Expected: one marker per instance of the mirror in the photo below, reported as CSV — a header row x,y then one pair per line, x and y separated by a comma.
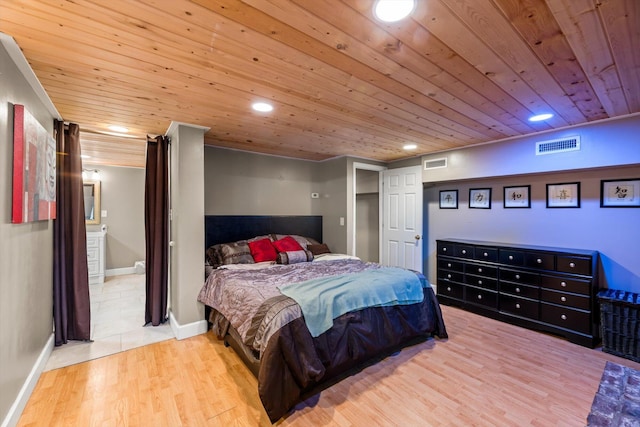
x,y
92,202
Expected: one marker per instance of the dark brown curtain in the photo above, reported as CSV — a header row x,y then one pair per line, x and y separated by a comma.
x,y
71,306
156,209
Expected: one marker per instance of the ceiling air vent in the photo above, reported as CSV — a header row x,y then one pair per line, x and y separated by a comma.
x,y
558,145
435,163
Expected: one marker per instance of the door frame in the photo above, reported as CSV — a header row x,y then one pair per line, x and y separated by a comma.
x,y
369,167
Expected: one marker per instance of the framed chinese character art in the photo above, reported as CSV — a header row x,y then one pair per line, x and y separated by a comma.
x,y
449,199
517,196
566,195
623,193
480,198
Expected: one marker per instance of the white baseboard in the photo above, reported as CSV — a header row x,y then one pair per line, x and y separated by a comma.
x,y
119,271
189,330
13,416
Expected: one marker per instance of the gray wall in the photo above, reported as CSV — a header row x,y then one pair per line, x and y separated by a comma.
x,y
122,196
605,143
187,224
26,253
614,232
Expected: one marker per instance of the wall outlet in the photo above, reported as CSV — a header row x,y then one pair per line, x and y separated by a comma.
x,y
103,213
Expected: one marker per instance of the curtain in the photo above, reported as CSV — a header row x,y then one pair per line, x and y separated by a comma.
x,y
156,208
71,305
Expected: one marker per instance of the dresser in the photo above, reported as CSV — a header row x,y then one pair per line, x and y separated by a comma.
x,y
544,288
95,256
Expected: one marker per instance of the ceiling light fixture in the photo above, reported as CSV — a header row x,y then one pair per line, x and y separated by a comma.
x,y
393,10
540,117
410,147
120,129
263,107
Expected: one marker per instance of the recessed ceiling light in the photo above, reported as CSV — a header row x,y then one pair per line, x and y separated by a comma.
x,y
393,10
410,147
120,129
263,107
540,117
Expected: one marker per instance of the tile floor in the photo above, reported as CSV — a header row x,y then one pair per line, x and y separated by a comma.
x,y
117,316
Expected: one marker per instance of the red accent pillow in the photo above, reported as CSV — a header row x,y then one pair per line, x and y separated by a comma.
x,y
262,250
287,244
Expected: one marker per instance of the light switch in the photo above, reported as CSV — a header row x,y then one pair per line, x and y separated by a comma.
x,y
341,220
103,213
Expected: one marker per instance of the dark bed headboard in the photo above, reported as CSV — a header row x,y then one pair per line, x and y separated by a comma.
x,y
229,228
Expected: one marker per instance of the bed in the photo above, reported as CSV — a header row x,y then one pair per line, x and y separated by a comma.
x,y
294,341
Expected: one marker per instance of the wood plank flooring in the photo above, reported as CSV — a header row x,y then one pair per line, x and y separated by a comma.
x,y
487,373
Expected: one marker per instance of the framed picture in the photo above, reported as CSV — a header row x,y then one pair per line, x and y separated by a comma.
x,y
620,193
565,195
480,198
34,169
517,196
449,199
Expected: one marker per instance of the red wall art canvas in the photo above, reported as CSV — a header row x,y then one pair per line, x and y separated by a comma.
x,y
34,169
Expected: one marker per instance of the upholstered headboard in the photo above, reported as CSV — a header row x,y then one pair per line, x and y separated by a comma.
x,y
229,228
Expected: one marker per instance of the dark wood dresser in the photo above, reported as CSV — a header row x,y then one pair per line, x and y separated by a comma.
x,y
544,288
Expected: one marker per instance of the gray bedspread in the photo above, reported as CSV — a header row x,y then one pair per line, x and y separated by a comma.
x,y
252,303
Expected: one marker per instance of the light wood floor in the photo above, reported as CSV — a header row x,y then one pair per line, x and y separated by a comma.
x,y
487,373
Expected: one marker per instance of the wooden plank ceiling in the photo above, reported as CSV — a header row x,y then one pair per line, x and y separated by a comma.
x,y
456,73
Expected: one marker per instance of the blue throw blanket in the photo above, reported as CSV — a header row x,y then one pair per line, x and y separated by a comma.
x,y
326,298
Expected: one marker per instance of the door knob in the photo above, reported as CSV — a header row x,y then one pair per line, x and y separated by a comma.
x,y
417,237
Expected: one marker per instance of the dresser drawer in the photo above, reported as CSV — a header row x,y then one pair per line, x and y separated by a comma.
x,y
446,264
568,300
463,251
481,282
93,254
481,297
446,248
539,260
485,254
452,290
519,306
563,284
518,276
575,265
450,276
92,242
567,318
511,257
93,267
521,290
481,270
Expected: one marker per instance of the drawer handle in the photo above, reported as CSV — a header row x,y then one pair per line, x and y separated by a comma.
x,y
563,299
563,284
572,264
518,276
444,249
518,290
563,317
479,296
539,261
449,265
479,282
448,276
464,251
485,254
517,305
449,288
479,270
510,257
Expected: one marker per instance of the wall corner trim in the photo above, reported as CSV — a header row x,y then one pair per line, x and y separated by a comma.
x,y
13,416
189,330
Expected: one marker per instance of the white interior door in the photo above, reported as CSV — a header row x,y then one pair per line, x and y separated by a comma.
x,y
402,218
